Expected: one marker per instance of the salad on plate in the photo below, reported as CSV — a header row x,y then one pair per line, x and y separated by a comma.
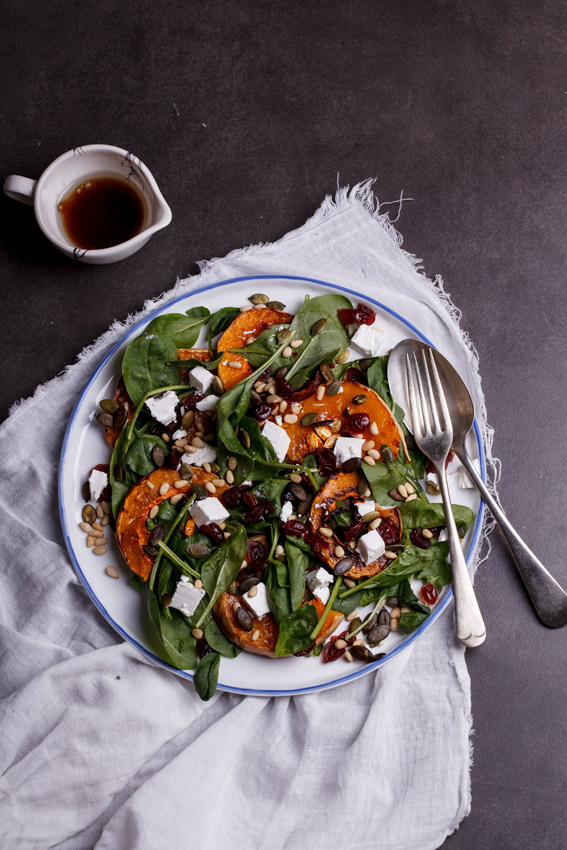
x,y
264,490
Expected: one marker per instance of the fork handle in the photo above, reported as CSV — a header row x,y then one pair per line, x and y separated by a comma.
x,y
471,630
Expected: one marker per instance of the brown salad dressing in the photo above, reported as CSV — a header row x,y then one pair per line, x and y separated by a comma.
x,y
101,212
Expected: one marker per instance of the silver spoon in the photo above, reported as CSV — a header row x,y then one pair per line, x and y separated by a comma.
x,y
548,597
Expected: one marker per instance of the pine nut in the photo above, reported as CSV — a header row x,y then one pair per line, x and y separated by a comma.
x,y
165,437
235,364
197,442
246,307
99,550
218,482
153,511
295,407
175,499
375,523
197,633
96,533
320,392
222,526
210,487
280,551
369,460
339,551
425,532
358,642
198,584
180,444
190,450
273,399
296,343
283,406
99,511
179,484
164,488
226,535
394,624
390,555
151,485
412,497
369,444
97,526
255,635
405,610
91,542
295,478
259,386
402,491
106,507
349,582
395,614
287,352
352,544
229,477
290,418
352,616
374,428
253,591
342,358
348,656
340,643
101,541
111,571
259,306
207,466
235,606
250,340
374,453
409,487
86,527
325,532
232,463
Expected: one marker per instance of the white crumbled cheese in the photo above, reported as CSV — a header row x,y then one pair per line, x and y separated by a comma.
x,y
431,478
207,403
162,407
207,454
443,537
208,510
186,597
347,447
365,507
179,434
464,481
318,579
277,437
201,379
370,547
286,511
278,419
258,603
322,593
97,482
368,340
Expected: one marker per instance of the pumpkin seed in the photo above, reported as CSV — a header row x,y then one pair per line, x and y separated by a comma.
x,y
104,419
378,634
370,625
318,326
303,507
359,399
152,551
166,600
86,491
188,420
383,617
259,298
185,471
217,385
361,653
395,495
282,371
353,464
157,534
158,455
109,405
362,488
354,625
276,305
119,418
298,491
244,619
333,388
393,601
246,584
351,329
342,358
245,438
343,566
370,516
199,491
327,372
308,419
364,364
89,514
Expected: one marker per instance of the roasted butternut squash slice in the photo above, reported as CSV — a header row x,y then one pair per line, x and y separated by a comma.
x,y
332,409
339,487
245,326
266,626
131,532
201,354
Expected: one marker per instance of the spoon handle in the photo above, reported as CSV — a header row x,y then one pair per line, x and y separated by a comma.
x,y
471,630
548,597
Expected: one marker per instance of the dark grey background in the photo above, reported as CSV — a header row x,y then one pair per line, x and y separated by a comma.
x,y
246,112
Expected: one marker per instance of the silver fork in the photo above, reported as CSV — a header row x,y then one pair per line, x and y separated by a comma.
x,y
433,433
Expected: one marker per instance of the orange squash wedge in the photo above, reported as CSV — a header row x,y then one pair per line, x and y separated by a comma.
x,y
332,408
201,354
266,627
343,485
131,532
245,326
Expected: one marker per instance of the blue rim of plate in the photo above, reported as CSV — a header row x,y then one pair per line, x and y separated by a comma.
x,y
184,673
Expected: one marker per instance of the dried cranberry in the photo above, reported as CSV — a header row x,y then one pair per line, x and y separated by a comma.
x,y
261,411
429,468
190,401
436,530
356,423
249,499
265,374
203,647
354,531
388,531
231,498
429,593
361,315
417,538
283,387
316,542
258,513
214,531
305,651
174,458
326,462
330,652
354,374
294,528
256,554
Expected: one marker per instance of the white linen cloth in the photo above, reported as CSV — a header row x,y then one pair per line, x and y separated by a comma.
x,y
99,748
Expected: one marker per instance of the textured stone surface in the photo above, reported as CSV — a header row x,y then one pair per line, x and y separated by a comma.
x,y
246,113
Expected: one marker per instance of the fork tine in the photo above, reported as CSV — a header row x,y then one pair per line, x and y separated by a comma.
x,y
416,410
440,393
431,394
424,400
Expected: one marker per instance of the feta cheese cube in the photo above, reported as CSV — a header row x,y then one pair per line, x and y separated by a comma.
x,y
365,507
277,437
431,478
208,510
286,511
443,536
179,434
368,340
464,481
97,482
208,403
201,379
370,547
207,454
322,593
162,407
347,447
186,597
258,603
317,579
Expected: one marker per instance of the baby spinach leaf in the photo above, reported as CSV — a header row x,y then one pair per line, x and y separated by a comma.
x,y
207,675
217,639
263,347
181,328
295,630
173,633
321,347
220,570
377,378
297,563
418,514
139,455
410,621
145,365
277,587
220,321
384,477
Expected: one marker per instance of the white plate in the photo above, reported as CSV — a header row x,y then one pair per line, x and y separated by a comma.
x,y
84,446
